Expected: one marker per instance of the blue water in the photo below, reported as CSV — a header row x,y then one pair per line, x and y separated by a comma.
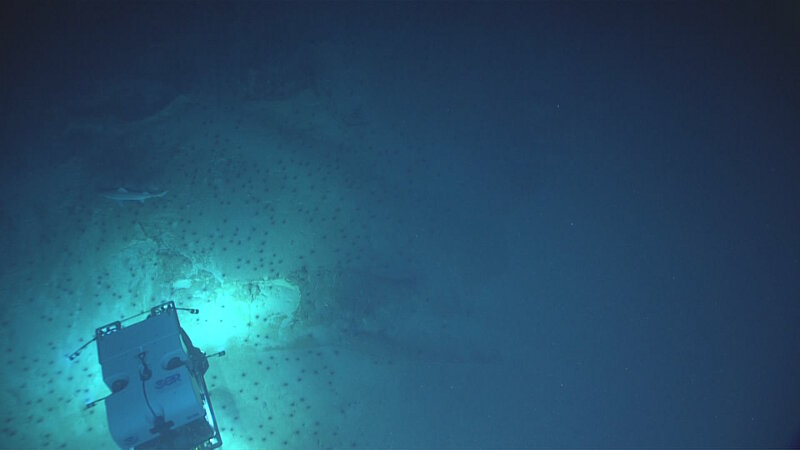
x,y
510,225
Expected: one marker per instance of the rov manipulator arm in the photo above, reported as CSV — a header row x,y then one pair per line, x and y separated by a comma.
x,y
72,356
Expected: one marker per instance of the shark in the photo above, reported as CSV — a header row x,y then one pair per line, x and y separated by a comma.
x,y
123,195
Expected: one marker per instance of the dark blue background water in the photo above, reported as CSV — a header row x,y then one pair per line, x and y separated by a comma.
x,y
614,184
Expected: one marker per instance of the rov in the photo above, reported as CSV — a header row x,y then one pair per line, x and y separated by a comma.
x,y
159,398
